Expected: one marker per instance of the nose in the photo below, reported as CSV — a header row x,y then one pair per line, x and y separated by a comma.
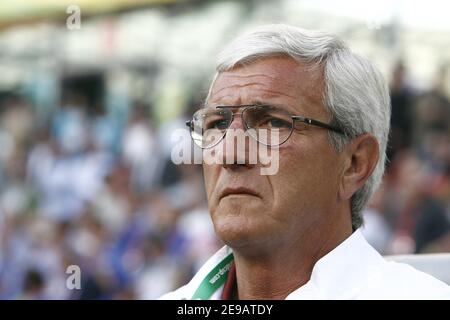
x,y
236,149
238,122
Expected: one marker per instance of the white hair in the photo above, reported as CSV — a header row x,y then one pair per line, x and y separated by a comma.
x,y
356,94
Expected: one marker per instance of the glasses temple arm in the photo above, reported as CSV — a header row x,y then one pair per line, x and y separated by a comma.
x,y
317,124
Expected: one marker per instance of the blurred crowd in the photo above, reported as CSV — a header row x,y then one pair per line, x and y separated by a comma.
x,y
410,213
87,190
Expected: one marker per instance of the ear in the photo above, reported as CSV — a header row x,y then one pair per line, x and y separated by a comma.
x,y
362,154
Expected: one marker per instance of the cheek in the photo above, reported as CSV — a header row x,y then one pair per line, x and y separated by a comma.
x,y
208,175
306,176
211,175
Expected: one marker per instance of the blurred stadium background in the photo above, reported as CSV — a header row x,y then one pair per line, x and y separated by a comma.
x,y
86,116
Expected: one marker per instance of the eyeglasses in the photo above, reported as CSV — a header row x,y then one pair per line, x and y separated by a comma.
x,y
269,125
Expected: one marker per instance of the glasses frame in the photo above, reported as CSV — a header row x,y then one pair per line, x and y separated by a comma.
x,y
308,121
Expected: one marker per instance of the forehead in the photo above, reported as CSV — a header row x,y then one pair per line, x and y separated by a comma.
x,y
276,78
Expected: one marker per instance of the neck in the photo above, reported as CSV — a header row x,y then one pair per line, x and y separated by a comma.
x,y
277,271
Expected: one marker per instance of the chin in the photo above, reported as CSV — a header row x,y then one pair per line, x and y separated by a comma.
x,y
237,230
240,221
233,236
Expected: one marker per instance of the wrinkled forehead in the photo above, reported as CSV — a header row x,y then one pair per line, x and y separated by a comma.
x,y
269,78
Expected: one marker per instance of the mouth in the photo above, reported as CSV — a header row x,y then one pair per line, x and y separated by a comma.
x,y
240,191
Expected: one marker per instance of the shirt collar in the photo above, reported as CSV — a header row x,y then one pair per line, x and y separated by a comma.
x,y
200,276
339,274
342,272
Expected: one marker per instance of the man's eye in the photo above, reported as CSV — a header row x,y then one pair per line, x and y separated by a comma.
x,y
218,124
222,124
276,123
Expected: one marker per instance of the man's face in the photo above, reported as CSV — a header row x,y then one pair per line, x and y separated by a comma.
x,y
301,196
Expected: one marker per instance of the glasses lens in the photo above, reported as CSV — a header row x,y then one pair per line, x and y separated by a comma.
x,y
209,126
268,125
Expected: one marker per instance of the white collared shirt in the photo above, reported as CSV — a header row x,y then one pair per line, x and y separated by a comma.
x,y
352,270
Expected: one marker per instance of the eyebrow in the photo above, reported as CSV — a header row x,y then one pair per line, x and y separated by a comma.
x,y
259,102
256,102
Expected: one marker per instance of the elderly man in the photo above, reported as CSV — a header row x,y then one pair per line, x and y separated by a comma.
x,y
294,234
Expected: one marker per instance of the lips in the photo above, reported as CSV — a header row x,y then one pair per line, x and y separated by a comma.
x,y
238,191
